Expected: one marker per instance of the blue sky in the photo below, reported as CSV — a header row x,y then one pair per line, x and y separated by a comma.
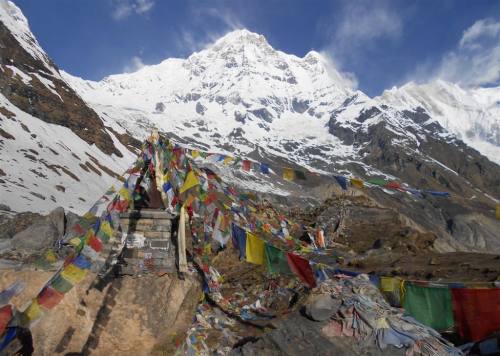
x,y
381,43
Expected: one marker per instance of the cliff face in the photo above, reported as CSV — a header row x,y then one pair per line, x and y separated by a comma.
x,y
132,316
41,92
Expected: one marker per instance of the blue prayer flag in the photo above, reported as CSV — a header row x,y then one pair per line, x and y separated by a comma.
x,y
264,168
342,181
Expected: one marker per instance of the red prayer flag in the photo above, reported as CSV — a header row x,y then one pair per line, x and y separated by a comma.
x,y
246,165
210,198
301,267
95,243
393,185
78,229
476,312
49,298
5,316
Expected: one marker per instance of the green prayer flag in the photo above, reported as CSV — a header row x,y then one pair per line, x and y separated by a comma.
x,y
61,285
276,260
377,181
432,306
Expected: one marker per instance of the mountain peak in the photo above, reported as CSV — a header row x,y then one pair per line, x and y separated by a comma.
x,y
17,24
242,36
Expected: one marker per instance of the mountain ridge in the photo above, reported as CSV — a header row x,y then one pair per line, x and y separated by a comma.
x,y
240,97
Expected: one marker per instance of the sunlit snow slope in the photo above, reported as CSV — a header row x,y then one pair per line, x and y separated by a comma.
x,y
55,151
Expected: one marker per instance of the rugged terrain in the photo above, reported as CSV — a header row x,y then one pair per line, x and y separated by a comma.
x,y
64,140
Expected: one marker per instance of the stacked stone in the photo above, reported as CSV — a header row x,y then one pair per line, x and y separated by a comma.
x,y
148,246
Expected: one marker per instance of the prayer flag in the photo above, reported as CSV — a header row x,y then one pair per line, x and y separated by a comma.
x,y
438,194
276,261
288,174
342,181
246,165
476,311
498,211
73,274
31,313
320,238
95,243
49,297
393,185
377,181
301,267
300,175
254,249
239,239
190,182
81,262
264,168
5,316
124,194
228,160
358,183
429,305
106,231
391,288
195,154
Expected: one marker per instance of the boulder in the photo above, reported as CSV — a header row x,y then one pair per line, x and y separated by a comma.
x,y
322,307
36,237
57,218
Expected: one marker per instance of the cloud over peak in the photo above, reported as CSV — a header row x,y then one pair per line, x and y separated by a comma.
x,y
124,8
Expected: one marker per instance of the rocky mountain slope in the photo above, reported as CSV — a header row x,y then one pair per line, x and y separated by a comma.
x,y
55,149
65,139
241,95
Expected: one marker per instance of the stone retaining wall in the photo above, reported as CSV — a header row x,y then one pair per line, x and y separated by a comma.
x,y
149,246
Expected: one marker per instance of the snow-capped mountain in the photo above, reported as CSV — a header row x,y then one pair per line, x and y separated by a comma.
x,y
472,115
237,94
55,151
242,96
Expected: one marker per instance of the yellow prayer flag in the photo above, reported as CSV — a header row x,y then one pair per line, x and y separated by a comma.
x,y
73,274
75,241
190,182
498,211
390,284
255,249
195,154
124,194
288,174
358,183
33,311
228,160
106,228
88,216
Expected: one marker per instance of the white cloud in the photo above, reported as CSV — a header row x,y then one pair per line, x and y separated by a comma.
x,y
481,28
476,60
124,8
134,65
364,21
197,38
346,78
355,29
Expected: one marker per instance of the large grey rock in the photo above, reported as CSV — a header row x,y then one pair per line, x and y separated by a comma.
x,y
322,307
36,237
57,218
71,219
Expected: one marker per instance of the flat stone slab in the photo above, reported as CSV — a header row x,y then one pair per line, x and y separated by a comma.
x,y
147,214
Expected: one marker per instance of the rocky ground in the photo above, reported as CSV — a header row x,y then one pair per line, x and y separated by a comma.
x,y
159,314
